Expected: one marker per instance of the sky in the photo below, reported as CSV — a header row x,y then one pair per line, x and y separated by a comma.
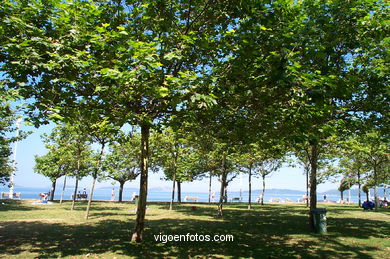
x,y
286,178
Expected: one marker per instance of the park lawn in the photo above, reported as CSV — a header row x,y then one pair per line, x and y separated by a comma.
x,y
269,231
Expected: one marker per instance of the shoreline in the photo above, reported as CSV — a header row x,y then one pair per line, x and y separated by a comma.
x,y
187,202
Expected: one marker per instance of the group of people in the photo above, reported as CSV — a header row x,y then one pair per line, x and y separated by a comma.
x,y
44,196
370,205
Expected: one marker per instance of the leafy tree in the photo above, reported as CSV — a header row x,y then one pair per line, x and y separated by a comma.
x,y
374,149
325,104
266,167
74,143
345,184
100,132
7,119
352,164
83,54
261,161
176,157
221,160
122,162
51,165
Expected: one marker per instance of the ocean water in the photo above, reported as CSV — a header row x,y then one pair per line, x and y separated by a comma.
x,y
105,194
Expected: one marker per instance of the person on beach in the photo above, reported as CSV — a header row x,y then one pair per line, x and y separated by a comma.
x,y
213,196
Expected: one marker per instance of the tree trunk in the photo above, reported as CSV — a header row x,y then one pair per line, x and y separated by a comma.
x,y
90,198
307,186
359,190
94,180
121,184
179,191
349,195
173,191
223,184
367,196
250,188
376,197
262,193
375,189
225,197
384,192
75,193
140,219
342,195
222,194
313,182
210,188
53,189
63,190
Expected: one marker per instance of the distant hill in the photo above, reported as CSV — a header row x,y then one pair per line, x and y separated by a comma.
x,y
355,191
279,191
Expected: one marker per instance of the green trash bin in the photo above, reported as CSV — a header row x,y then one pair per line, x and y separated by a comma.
x,y
319,220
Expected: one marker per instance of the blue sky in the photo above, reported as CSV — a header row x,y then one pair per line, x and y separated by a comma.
x,y
285,178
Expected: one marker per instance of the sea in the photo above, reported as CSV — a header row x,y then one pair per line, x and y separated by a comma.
x,y
104,194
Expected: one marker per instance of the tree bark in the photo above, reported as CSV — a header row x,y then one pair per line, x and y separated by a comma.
x,y
75,193
307,186
90,198
222,191
250,188
53,189
210,188
313,181
173,191
359,190
63,190
121,184
342,195
262,193
375,188
178,191
140,219
94,180
225,197
367,196
222,194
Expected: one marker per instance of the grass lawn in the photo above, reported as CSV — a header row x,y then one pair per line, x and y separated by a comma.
x,y
269,231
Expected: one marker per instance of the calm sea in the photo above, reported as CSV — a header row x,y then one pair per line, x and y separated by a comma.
x,y
105,194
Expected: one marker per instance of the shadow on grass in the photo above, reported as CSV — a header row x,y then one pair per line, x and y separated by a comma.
x,y
18,205
265,232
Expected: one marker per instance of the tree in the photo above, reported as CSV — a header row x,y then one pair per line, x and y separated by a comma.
x,y
222,161
111,55
51,165
7,119
352,164
374,149
101,132
326,104
345,184
122,162
266,167
70,140
175,155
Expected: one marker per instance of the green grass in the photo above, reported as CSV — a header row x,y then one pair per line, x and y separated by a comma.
x,y
269,231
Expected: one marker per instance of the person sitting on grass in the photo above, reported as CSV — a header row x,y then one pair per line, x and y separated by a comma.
x,y
368,205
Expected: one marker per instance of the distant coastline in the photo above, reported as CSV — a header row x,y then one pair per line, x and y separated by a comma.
x,y
156,194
